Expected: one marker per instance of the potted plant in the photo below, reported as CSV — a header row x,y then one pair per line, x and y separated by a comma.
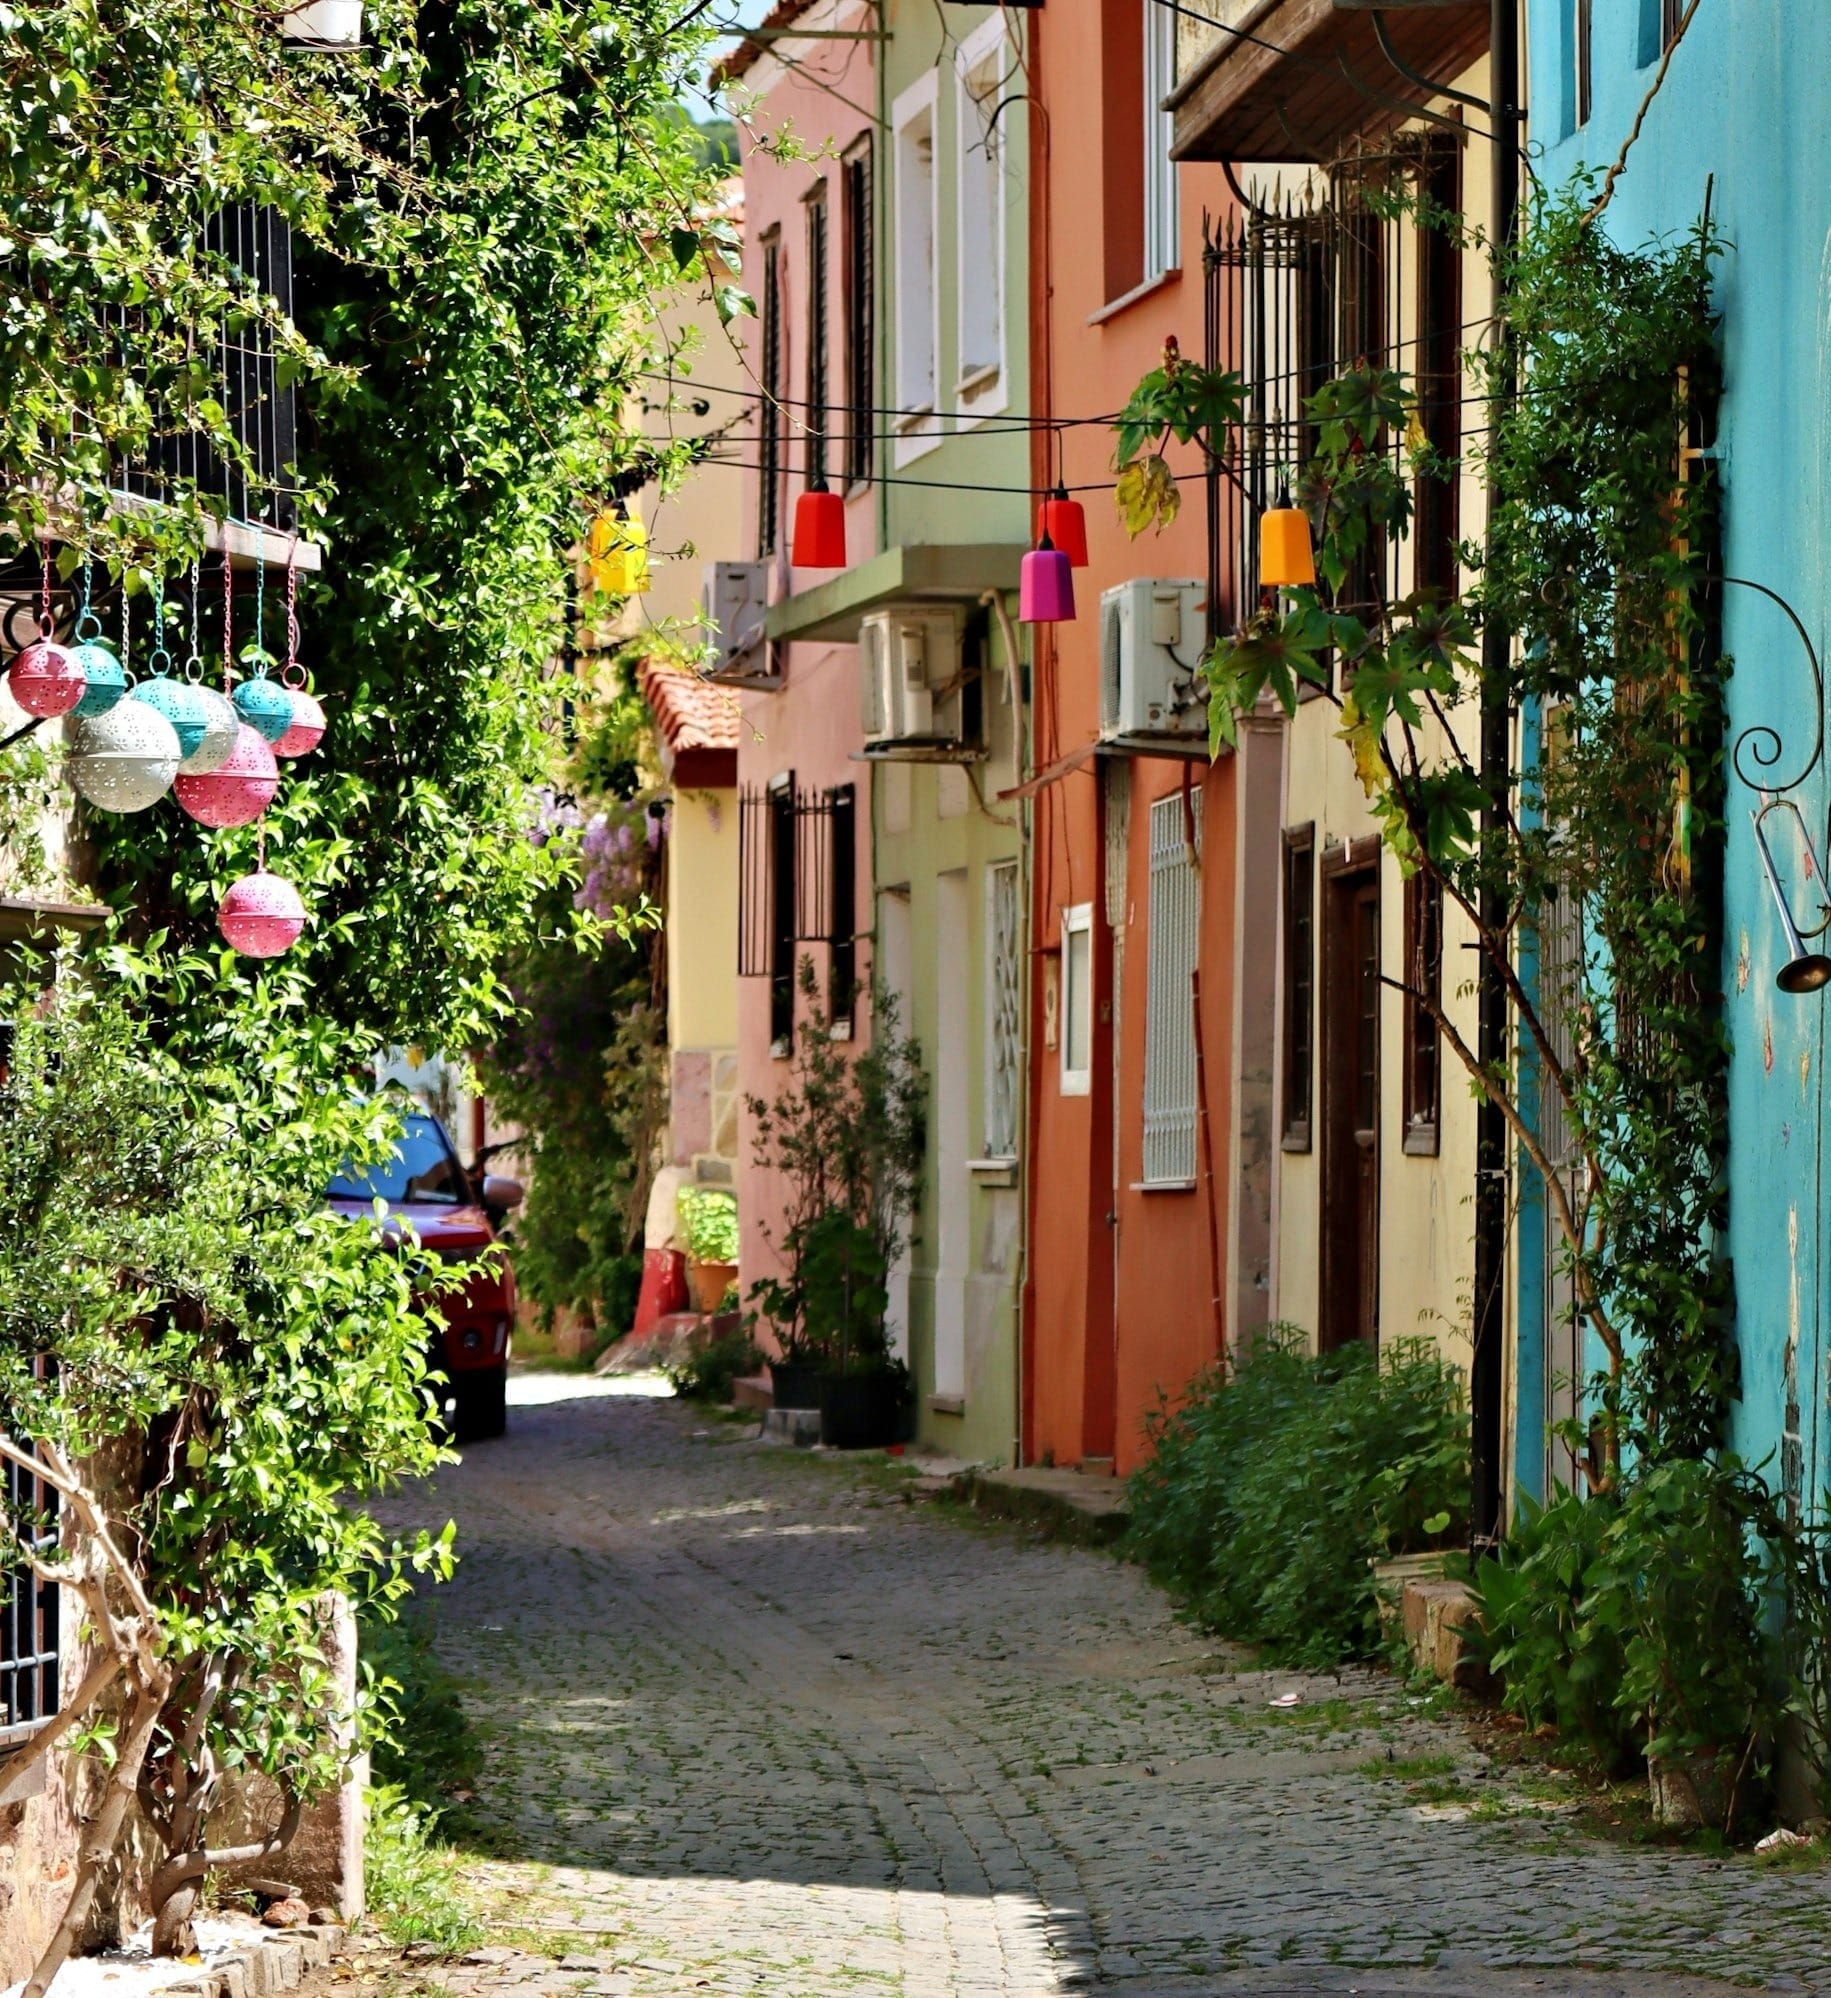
x,y
708,1217
844,1136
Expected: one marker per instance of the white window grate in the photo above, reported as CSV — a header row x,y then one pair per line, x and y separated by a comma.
x,y
1169,1030
1003,1000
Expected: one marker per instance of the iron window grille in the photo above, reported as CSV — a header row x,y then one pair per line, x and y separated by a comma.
x,y
28,1613
1584,52
1171,1101
256,483
816,337
1004,1002
1295,293
856,182
798,872
769,493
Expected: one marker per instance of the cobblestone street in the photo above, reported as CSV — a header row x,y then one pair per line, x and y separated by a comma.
x,y
757,1724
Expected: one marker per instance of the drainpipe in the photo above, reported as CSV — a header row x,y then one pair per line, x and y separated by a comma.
x,y
1487,1369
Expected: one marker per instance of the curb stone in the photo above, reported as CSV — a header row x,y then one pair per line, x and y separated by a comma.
x,y
276,1963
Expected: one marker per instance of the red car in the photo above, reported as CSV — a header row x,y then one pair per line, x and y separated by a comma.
x,y
426,1188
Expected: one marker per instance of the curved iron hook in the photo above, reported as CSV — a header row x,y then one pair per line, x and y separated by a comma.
x,y
1761,741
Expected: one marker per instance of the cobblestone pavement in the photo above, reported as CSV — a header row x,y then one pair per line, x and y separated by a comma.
x,y
755,1724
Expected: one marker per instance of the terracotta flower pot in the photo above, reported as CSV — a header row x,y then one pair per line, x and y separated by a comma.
x,y
710,1283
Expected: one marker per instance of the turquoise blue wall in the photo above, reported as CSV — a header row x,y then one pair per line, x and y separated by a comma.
x,y
1748,100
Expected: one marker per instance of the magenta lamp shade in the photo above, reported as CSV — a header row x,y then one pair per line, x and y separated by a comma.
x,y
237,791
307,729
1045,587
261,915
46,679
820,531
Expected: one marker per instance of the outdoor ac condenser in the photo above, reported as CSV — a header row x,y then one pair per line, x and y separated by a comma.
x,y
1153,631
733,600
908,673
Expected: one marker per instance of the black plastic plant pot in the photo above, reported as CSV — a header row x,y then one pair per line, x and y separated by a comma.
x,y
794,1383
859,1411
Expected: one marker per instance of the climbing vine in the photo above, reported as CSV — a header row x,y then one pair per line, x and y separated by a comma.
x,y
1605,835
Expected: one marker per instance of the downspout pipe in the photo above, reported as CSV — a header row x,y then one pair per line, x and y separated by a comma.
x,y
1487,1368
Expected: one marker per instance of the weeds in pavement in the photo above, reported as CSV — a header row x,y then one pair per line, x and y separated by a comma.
x,y
412,1879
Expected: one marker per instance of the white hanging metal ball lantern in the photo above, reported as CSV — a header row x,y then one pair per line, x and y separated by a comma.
x,y
124,760
221,727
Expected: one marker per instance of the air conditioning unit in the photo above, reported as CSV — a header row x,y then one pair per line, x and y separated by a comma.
x,y
1153,631
733,601
909,676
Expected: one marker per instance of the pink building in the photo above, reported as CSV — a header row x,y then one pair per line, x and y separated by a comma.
x,y
804,795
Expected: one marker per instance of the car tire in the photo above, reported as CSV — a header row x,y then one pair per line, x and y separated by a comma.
x,y
482,1405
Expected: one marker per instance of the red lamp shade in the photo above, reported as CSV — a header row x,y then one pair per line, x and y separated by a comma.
x,y
46,679
1045,587
261,915
1065,523
307,729
820,531
237,791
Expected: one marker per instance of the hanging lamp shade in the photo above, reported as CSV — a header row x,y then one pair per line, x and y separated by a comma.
x,y
184,706
1286,559
307,729
221,727
820,531
104,678
261,915
45,679
1065,523
617,545
239,790
124,760
264,705
1045,586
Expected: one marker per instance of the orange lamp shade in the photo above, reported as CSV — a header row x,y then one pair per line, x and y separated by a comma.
x,y
820,531
1064,521
1286,559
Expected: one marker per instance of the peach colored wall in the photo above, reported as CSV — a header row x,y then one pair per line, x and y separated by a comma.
x,y
1111,1322
810,724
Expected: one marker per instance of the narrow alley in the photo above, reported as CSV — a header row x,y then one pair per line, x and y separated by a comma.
x,y
756,1723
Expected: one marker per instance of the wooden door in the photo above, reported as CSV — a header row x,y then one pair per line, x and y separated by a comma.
x,y
1350,1220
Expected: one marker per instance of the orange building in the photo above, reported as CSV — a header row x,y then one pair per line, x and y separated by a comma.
x,y
1150,1229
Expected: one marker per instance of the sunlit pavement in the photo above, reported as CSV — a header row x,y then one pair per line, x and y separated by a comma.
x,y
757,1724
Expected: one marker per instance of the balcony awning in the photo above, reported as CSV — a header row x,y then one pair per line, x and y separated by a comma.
x,y
913,572
1301,78
24,919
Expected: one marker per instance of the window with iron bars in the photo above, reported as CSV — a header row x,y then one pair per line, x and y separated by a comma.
x,y
861,312
28,1611
1300,290
797,875
256,484
769,478
816,440
1171,1101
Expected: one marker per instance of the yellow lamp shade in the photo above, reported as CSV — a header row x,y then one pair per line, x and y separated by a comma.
x,y
1285,556
617,547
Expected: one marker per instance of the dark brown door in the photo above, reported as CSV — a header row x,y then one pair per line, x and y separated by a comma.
x,y
1351,1104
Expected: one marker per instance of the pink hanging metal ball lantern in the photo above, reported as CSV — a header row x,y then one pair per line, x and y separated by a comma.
x,y
261,915
46,678
238,790
307,729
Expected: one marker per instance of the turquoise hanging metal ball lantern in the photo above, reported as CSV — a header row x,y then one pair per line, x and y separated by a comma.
x,y
183,706
265,706
104,678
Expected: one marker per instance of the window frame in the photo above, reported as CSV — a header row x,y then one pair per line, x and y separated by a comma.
x,y
1004,975
1583,62
981,387
816,370
842,911
770,375
1297,990
784,911
916,291
858,194
1170,1072
1422,1079
31,1660
1077,921
1162,189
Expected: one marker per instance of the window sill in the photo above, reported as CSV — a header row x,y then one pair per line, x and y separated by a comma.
x,y
993,1172
1421,1141
947,1404
1295,1141
1136,296
976,380
1077,1082
1163,1186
